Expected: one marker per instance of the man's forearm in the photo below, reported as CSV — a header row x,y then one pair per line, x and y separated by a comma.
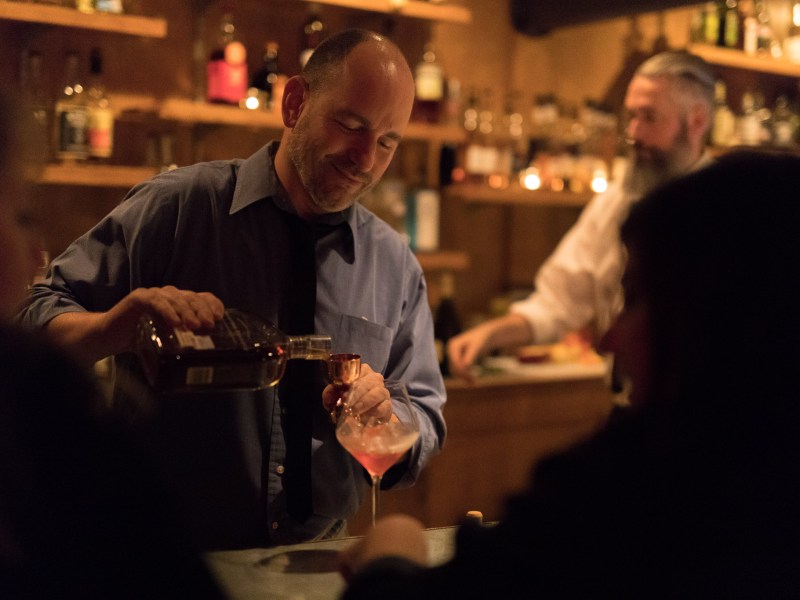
x,y
83,335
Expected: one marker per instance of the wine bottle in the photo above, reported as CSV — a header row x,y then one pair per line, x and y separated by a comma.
x,y
71,115
226,71
100,123
446,322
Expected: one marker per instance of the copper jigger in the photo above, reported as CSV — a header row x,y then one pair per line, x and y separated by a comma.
x,y
343,370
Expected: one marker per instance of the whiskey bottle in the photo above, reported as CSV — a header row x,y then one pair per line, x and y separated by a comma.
x,y
100,123
429,87
71,115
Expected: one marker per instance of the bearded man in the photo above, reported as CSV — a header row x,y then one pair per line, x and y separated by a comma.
x,y
669,106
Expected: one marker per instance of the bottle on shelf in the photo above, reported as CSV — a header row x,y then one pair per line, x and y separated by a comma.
x,y
711,22
446,322
100,123
85,6
784,124
33,88
71,115
731,30
429,87
723,128
312,34
109,6
481,155
422,216
266,82
791,43
226,71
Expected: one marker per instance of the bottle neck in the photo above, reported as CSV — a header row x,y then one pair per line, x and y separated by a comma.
x,y
309,347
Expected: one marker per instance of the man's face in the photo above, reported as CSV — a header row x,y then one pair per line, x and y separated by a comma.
x,y
347,133
658,134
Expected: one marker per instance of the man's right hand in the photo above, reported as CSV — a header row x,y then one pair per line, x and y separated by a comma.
x,y
92,336
464,349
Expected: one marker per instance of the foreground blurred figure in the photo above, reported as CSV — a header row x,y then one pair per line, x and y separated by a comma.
x,y
694,493
81,515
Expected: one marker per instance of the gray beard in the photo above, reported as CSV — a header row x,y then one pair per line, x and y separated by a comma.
x,y
643,176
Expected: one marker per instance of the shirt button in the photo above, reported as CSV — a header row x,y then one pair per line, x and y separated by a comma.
x,y
274,524
280,469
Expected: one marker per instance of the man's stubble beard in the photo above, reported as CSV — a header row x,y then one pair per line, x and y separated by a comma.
x,y
302,154
643,176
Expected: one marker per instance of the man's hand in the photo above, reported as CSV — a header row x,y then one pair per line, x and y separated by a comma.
x,y
394,535
93,336
366,396
464,349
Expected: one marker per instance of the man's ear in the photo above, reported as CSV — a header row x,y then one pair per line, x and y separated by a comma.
x,y
295,95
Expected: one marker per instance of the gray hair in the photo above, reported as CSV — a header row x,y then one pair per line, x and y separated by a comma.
x,y
693,76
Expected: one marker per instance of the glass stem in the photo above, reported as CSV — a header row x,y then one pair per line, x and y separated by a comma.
x,y
376,485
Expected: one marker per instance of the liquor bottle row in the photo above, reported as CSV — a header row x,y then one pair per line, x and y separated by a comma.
x,y
82,119
754,124
768,27
229,82
227,78
558,147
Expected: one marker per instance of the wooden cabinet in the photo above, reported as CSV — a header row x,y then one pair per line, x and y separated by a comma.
x,y
497,430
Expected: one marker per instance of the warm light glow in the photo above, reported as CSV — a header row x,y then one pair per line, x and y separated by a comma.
x,y
251,102
529,179
599,182
497,182
557,184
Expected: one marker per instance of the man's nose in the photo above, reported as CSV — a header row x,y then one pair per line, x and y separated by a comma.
x,y
362,154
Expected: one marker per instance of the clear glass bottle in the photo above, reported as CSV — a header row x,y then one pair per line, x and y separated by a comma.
x,y
100,124
71,115
242,351
723,129
429,87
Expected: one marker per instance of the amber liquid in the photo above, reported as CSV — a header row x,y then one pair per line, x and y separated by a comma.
x,y
196,370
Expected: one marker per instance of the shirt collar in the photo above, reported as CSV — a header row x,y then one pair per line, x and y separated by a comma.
x,y
257,181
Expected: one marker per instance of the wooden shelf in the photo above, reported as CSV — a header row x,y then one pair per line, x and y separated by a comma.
x,y
443,260
189,111
726,57
435,133
447,13
152,27
515,195
94,175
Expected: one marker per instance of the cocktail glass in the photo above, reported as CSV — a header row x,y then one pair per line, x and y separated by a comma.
x,y
377,426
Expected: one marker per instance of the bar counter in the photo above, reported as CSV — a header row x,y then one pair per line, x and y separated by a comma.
x,y
299,572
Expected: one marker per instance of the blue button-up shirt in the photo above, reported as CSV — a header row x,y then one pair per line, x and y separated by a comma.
x,y
212,227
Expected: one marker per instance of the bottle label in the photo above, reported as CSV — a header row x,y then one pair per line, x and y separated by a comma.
x,y
72,140
101,132
226,82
